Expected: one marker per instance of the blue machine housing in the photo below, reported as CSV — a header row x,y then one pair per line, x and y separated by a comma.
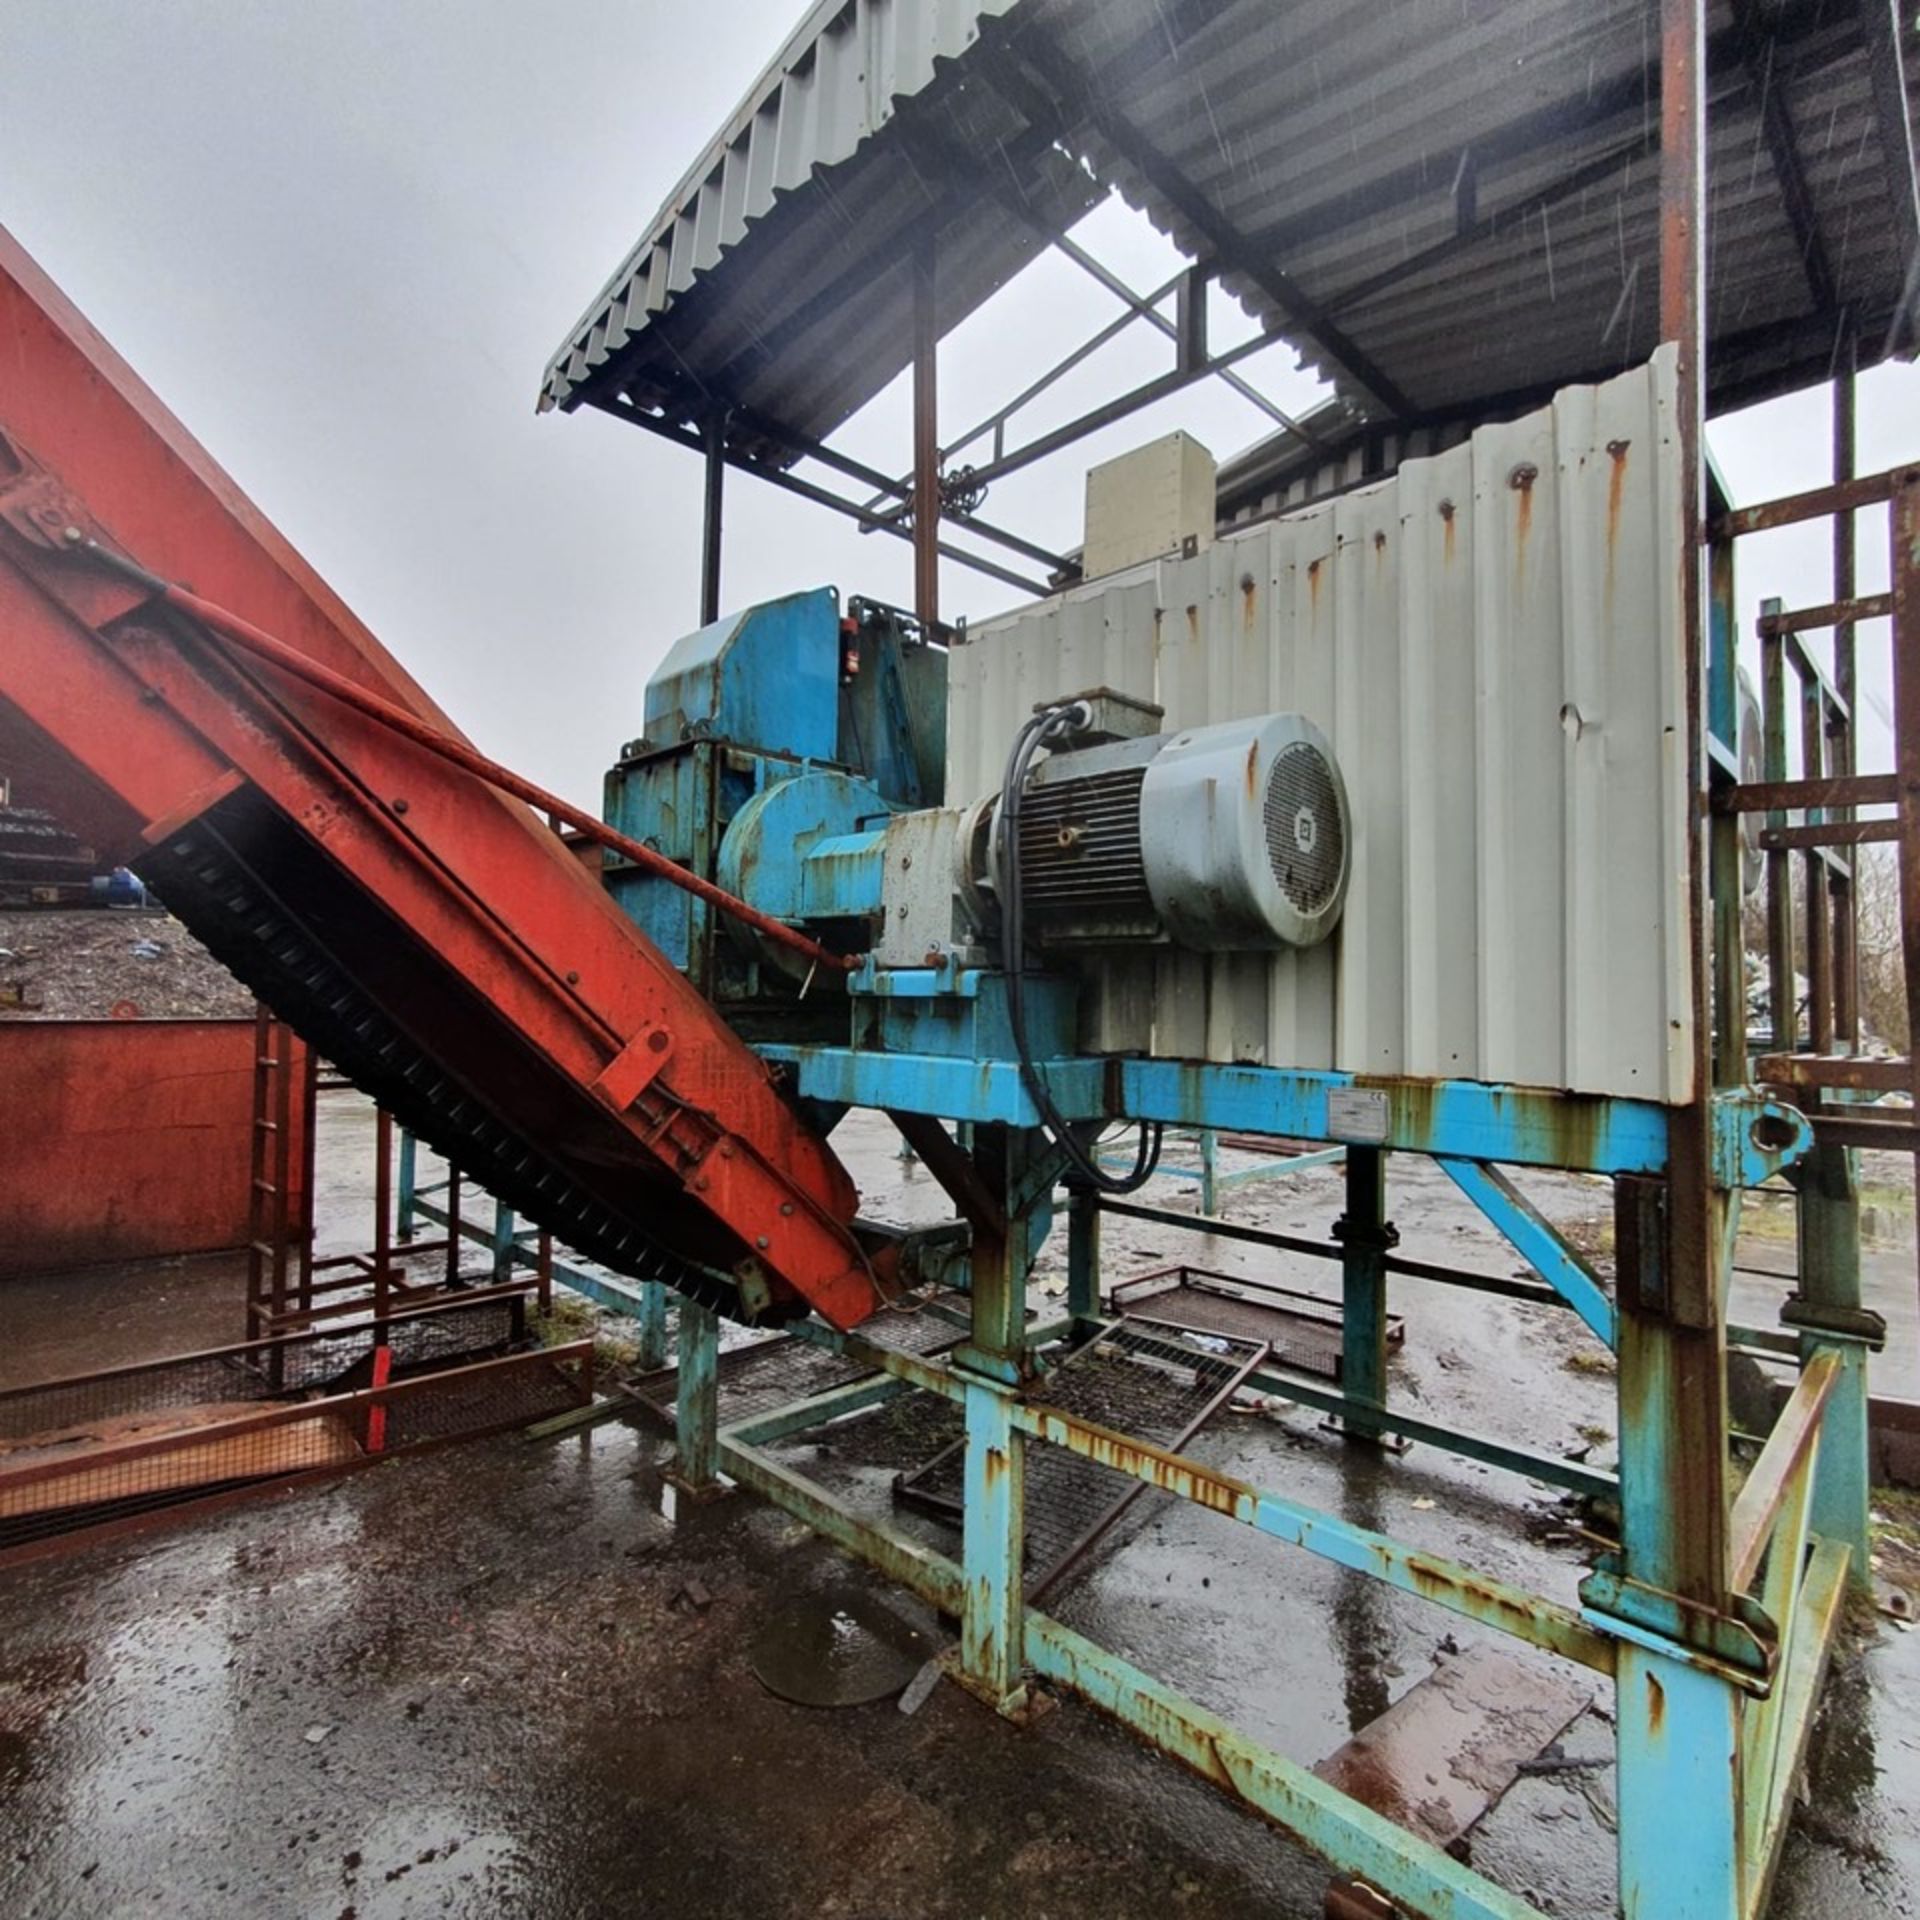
x,y
853,703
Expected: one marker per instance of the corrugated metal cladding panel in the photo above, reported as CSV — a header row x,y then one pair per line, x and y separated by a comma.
x,y
1491,640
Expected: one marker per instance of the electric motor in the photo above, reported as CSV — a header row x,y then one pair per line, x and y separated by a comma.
x,y
1227,838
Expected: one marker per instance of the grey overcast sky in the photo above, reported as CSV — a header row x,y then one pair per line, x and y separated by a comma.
x,y
340,239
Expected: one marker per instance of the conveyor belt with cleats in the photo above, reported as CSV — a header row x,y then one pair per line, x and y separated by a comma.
x,y
432,937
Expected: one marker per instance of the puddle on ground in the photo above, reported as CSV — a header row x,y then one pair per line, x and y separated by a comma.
x,y
841,1648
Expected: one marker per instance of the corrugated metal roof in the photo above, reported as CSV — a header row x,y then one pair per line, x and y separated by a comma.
x,y
778,273
1443,206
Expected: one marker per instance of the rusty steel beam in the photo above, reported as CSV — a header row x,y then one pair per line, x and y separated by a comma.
x,y
1832,1070
1846,916
1815,504
1786,1454
1817,885
1832,833
1837,790
1904,531
1841,612
1850,1130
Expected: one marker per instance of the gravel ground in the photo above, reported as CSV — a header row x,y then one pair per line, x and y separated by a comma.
x,y
95,963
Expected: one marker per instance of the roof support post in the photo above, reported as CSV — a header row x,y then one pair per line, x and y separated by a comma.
x,y
1191,318
1678,1730
1846,951
1880,23
715,447
926,448
1675,1536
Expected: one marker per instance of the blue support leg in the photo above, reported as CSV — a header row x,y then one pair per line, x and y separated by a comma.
x,y
1364,1238
1678,1722
652,1319
408,1184
696,1402
1829,1315
994,1364
992,1625
1679,1765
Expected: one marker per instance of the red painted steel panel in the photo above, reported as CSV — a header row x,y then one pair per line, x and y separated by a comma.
x,y
125,1140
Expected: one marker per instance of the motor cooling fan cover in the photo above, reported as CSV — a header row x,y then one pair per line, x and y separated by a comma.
x,y
1246,836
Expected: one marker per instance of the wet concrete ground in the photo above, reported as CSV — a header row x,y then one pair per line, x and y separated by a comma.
x,y
480,1683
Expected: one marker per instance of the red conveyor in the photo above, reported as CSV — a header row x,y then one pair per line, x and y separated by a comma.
x,y
431,936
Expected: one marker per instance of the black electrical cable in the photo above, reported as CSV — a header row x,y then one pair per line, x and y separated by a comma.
x,y
1084,1168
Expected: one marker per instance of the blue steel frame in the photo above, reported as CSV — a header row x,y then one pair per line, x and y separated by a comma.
x,y
1715,1615
1707,1695
1714,1698
1713,1618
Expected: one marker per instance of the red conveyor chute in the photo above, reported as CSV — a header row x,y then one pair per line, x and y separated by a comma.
x,y
430,935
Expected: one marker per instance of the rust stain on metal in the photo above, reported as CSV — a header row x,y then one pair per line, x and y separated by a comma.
x,y
1182,1476
1447,538
1247,585
1521,480
1313,581
1446,1583
1193,624
1568,1131
1656,1708
1616,492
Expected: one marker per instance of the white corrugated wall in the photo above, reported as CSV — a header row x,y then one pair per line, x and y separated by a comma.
x,y
1491,640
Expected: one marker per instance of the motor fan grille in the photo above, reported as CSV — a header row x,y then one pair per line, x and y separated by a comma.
x,y
1306,843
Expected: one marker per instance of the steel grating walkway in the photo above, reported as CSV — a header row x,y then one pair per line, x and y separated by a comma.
x,y
1151,1383
1301,1330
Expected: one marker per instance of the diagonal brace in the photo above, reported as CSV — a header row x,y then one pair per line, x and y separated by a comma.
x,y
1535,1239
